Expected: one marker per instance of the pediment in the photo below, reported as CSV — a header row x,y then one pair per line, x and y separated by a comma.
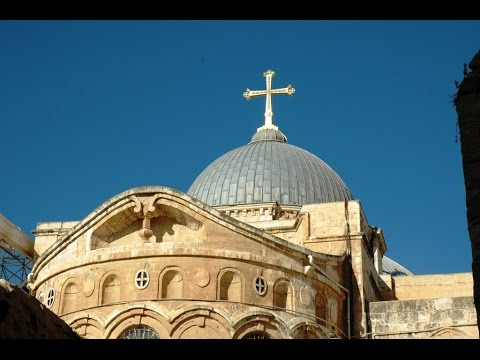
x,y
148,217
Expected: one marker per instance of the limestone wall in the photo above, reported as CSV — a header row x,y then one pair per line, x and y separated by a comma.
x,y
333,228
432,286
90,291
447,317
47,233
327,226
192,266
183,244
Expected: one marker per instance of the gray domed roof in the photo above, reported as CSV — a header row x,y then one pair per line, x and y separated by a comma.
x,y
393,268
269,170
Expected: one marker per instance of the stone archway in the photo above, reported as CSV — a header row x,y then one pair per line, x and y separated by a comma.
x,y
137,317
200,324
260,323
87,327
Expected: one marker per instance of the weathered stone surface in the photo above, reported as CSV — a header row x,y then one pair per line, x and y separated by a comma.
x,y
462,302
423,318
432,286
197,258
194,257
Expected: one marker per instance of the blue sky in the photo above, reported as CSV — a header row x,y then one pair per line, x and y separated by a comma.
x,y
89,109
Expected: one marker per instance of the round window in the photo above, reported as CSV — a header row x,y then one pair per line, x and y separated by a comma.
x,y
50,298
260,285
142,279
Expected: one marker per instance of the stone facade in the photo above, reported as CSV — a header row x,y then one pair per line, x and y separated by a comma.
x,y
429,286
155,258
158,258
424,306
448,317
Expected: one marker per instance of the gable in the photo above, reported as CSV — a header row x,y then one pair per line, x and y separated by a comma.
x,y
145,218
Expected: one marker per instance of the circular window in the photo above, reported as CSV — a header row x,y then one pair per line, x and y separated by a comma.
x,y
140,332
142,279
257,335
50,298
260,285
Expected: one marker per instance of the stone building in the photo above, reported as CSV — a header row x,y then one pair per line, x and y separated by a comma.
x,y
268,242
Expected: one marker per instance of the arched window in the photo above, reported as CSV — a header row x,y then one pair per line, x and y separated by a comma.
x,y
172,285
282,295
69,301
321,308
230,286
139,332
111,289
257,335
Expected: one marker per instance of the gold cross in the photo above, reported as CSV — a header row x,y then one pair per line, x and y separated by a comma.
x,y
248,94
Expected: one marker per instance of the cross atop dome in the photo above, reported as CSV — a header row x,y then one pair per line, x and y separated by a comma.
x,y
248,94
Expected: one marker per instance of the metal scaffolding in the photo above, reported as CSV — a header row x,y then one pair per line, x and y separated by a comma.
x,y
14,266
16,253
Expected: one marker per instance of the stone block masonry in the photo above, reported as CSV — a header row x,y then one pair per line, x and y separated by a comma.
x,y
452,317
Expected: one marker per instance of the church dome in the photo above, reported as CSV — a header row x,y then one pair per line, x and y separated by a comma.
x,y
393,268
268,169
